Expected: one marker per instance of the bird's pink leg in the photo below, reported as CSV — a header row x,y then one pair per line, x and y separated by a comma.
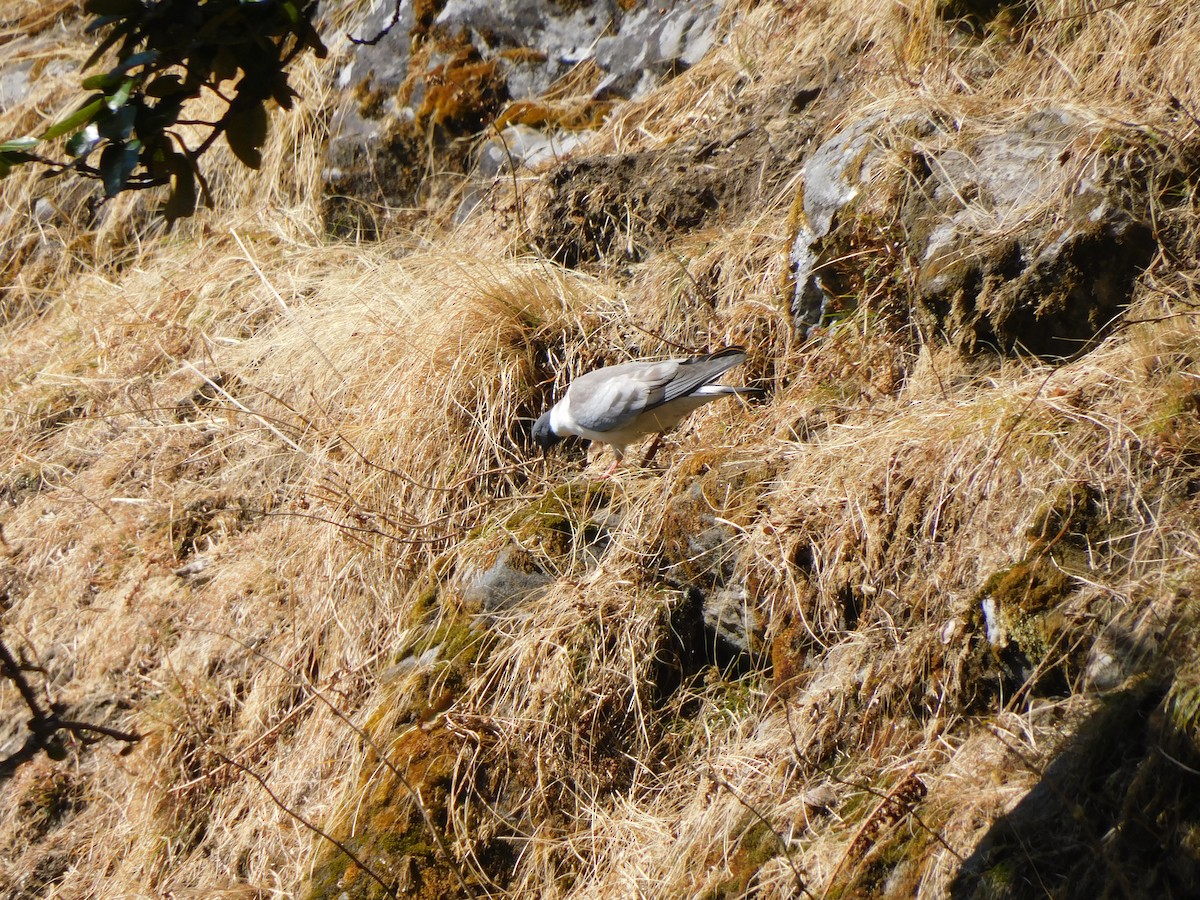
x,y
613,468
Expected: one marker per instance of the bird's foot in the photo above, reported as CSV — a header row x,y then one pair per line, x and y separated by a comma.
x,y
611,470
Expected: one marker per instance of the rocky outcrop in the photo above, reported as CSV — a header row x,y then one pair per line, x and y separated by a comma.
x,y
1019,238
448,72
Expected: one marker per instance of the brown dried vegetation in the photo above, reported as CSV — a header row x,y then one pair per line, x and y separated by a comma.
x,y
249,473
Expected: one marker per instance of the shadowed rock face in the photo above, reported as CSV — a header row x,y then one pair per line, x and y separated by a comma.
x,y
622,207
1021,241
1057,281
1092,821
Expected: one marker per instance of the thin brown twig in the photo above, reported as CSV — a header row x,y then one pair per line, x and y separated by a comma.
x,y
391,891
383,32
801,885
367,739
201,742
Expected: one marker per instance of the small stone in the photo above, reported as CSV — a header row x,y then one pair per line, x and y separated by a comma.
x,y
821,797
194,569
508,582
729,616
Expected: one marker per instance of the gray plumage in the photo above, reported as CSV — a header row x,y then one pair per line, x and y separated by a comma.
x,y
619,404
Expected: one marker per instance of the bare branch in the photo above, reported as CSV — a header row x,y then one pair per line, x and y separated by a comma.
x,y
44,724
371,42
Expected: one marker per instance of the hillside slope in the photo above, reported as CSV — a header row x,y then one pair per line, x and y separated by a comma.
x,y
920,622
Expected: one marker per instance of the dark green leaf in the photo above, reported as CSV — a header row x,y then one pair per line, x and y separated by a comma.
x,y
282,91
246,131
118,126
120,96
138,59
161,116
84,114
117,163
98,23
83,141
182,202
224,65
101,82
308,35
160,163
211,32
10,158
164,86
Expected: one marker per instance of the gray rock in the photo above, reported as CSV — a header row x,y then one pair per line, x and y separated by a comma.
x,y
636,49
518,147
731,618
410,664
821,797
652,42
508,582
1022,246
379,151
562,36
195,570
832,179
385,62
15,77
361,158
14,84
1054,282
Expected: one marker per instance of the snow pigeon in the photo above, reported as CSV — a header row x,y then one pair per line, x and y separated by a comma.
x,y
619,404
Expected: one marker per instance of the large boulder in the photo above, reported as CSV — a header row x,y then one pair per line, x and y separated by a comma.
x,y
1022,239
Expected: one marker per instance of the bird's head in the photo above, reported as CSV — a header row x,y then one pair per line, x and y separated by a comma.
x,y
543,434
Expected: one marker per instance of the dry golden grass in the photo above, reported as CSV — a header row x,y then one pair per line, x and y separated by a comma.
x,y
248,476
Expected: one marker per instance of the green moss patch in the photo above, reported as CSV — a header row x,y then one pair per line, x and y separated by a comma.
x,y
389,835
758,846
559,520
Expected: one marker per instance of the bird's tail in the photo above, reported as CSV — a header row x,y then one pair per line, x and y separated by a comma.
x,y
723,390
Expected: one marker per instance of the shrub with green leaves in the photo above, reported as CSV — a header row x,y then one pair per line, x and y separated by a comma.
x,y
168,53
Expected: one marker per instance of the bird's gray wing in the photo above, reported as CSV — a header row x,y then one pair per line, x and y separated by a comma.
x,y
694,373
614,396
